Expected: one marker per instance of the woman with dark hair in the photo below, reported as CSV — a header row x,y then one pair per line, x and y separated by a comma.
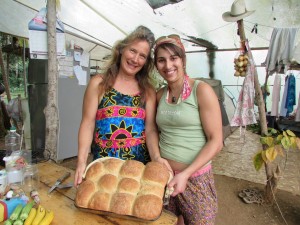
x,y
119,106
189,120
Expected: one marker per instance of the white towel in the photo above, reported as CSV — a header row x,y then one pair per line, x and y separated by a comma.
x,y
281,49
276,95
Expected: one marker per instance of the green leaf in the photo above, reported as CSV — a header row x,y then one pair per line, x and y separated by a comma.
x,y
293,142
267,141
269,134
271,154
258,161
274,131
286,143
279,138
289,132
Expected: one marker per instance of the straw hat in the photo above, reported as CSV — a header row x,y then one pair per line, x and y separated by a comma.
x,y
238,12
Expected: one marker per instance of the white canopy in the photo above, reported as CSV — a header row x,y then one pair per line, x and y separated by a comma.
x,y
96,24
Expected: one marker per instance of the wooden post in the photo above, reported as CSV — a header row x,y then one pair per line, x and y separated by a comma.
x,y
51,109
270,173
261,104
24,68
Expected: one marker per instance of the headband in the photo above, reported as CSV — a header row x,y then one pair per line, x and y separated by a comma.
x,y
171,39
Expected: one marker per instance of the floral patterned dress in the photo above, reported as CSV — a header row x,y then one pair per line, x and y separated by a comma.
x,y
120,128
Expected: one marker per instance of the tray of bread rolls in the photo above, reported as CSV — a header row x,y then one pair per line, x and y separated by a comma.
x,y
124,188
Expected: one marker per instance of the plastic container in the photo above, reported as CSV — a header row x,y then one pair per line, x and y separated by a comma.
x,y
8,206
30,178
14,166
12,141
3,181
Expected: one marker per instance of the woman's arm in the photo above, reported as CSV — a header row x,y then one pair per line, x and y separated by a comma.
x,y
151,128
210,115
87,125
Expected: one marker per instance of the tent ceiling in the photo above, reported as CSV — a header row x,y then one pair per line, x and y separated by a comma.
x,y
102,22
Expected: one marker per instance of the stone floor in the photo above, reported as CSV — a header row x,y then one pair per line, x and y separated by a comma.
x,y
236,160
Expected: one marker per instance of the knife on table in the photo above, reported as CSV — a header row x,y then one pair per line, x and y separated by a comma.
x,y
59,181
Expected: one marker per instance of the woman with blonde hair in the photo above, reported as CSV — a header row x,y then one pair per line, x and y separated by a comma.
x,y
119,106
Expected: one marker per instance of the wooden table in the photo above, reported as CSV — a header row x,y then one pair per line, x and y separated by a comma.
x,y
61,201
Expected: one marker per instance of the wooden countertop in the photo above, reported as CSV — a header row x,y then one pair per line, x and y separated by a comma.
x,y
61,201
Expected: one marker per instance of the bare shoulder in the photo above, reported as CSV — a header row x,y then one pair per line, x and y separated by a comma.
x,y
206,95
96,79
204,88
159,93
150,94
94,88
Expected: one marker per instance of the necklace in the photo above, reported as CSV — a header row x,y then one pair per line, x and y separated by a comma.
x,y
174,99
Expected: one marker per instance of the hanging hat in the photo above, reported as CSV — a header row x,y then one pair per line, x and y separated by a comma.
x,y
238,11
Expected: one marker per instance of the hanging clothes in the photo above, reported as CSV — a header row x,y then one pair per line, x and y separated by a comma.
x,y
283,110
291,95
281,49
276,95
297,118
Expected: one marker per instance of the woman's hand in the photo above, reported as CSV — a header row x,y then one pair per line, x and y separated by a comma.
x,y
165,162
79,173
178,183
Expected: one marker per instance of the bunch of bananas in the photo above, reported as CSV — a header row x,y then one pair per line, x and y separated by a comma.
x,y
29,215
240,65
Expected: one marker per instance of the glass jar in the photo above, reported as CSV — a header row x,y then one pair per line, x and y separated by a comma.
x,y
31,178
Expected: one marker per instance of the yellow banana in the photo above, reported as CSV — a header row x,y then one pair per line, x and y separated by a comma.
x,y
48,218
30,217
39,215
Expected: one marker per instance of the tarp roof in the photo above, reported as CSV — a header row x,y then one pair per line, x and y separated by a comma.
x,y
102,22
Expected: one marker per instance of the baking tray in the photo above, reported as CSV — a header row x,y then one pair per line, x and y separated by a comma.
x,y
111,214
165,200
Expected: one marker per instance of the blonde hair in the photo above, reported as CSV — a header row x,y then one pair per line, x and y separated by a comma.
x,y
140,33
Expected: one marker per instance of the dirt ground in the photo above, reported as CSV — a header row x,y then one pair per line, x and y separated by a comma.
x,y
233,210
234,172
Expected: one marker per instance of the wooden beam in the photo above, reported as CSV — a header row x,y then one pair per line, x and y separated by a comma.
x,y
226,50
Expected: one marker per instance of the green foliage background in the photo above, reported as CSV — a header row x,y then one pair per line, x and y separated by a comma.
x,y
15,71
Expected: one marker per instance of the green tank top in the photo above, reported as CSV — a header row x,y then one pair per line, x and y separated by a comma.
x,y
180,129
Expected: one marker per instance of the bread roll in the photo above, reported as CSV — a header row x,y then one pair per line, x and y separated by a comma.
x,y
128,185
132,169
95,171
84,193
100,201
122,203
108,183
123,187
156,173
147,206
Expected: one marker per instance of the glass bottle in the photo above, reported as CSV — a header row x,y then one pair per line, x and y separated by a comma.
x,y
31,178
